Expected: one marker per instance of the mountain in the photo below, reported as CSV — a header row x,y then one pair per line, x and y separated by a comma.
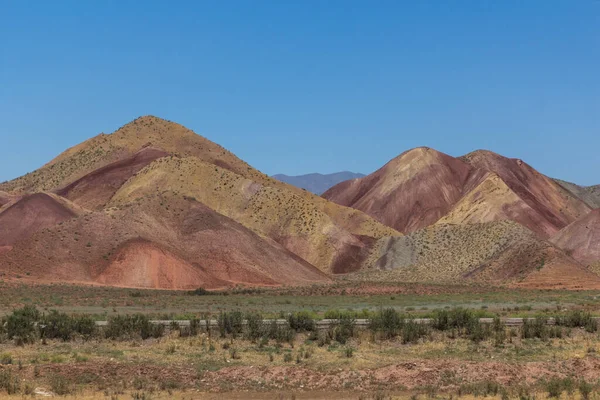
x,y
493,252
163,241
481,217
156,205
423,186
317,183
589,194
581,239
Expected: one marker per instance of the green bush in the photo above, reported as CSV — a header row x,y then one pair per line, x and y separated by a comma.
x,y
254,327
21,324
388,322
60,385
413,331
554,387
6,359
199,292
457,318
124,326
480,389
344,329
9,383
578,319
301,321
585,389
230,323
535,329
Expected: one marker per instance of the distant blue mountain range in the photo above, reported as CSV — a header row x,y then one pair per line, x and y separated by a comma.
x,y
317,183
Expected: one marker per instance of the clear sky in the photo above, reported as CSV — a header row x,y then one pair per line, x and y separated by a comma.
x,y
308,86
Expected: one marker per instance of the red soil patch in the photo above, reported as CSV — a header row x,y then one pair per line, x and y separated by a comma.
x,y
410,374
30,214
143,264
561,273
95,189
581,239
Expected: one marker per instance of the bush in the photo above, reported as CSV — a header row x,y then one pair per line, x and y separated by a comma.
x,y
254,328
457,318
388,322
578,319
9,383
21,324
585,389
194,327
534,329
345,329
554,387
199,292
230,323
480,389
413,331
57,325
123,326
348,352
5,359
279,333
301,321
60,385
84,326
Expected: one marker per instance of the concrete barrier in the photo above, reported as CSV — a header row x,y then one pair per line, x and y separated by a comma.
x,y
328,323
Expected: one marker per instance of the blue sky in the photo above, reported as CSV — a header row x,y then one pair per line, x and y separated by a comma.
x,y
308,86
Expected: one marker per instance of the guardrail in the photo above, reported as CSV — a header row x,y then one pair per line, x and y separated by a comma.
x,y
327,323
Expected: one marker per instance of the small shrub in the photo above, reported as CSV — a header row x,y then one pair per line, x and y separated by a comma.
x,y
6,359
230,323
554,387
388,322
254,328
234,353
199,292
585,389
348,352
60,385
9,383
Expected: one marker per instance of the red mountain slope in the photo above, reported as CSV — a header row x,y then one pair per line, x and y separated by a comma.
x,y
31,214
422,186
410,192
552,202
581,238
4,198
95,189
181,245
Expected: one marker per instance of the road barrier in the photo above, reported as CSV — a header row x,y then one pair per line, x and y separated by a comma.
x,y
327,323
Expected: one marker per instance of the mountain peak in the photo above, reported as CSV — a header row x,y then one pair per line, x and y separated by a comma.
x,y
150,125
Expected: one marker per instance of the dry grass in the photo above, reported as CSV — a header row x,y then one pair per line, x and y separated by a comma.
x,y
183,366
